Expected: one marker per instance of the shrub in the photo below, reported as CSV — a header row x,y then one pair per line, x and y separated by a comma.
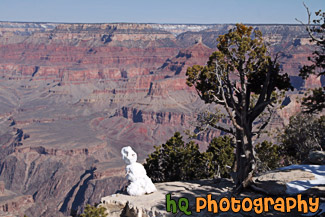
x,y
175,161
303,134
94,211
222,156
179,161
269,156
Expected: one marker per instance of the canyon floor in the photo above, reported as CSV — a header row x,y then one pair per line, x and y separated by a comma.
x,y
72,95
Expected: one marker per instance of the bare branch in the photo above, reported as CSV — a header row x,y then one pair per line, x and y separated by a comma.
x,y
225,101
230,113
308,25
226,130
258,109
236,90
216,98
263,100
231,95
210,122
266,122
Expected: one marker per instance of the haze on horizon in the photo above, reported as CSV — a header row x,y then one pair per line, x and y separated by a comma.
x,y
168,11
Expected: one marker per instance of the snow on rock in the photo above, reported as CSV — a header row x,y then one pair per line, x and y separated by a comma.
x,y
296,187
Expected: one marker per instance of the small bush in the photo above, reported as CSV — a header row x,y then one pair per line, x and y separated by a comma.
x,y
269,156
177,161
93,211
303,134
222,155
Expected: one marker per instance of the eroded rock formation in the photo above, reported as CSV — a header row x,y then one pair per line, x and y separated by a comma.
x,y
73,94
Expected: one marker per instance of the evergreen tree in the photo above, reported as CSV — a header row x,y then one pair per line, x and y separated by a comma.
x,y
179,161
315,102
269,156
303,134
222,156
176,161
93,211
239,70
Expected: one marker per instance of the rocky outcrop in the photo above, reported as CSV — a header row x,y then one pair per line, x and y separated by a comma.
x,y
162,118
2,188
13,204
295,179
317,157
155,204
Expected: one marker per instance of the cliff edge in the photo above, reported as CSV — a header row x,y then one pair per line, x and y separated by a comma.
x,y
154,205
297,182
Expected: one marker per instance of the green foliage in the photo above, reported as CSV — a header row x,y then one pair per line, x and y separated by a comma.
x,y
221,152
303,134
317,34
269,156
243,78
315,102
177,161
241,52
93,211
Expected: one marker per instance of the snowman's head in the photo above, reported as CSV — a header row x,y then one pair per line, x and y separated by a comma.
x,y
128,155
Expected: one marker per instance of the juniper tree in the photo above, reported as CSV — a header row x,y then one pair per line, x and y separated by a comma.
x,y
269,156
94,211
221,156
315,102
179,161
176,161
237,72
304,133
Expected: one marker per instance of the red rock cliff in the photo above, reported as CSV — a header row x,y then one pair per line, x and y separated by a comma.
x,y
73,94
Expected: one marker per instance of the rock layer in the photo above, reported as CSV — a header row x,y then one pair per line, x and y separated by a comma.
x,y
154,205
73,94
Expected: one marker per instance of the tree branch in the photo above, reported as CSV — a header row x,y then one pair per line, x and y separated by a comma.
x,y
216,126
259,109
226,130
231,94
263,126
262,101
308,26
225,101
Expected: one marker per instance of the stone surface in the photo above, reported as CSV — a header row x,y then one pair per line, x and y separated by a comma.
x,y
274,183
154,205
13,204
295,179
317,157
2,188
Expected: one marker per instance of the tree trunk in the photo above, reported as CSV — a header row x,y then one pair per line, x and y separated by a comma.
x,y
245,159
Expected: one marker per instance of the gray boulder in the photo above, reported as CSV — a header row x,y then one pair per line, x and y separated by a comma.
x,y
317,157
295,179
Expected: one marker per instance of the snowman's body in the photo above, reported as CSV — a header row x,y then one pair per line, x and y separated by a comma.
x,y
140,183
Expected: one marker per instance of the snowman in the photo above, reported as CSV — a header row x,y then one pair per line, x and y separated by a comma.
x,y
139,182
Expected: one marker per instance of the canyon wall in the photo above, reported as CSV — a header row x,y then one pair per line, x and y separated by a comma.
x,y
72,95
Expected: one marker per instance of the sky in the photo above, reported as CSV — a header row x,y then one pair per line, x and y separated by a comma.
x,y
158,11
